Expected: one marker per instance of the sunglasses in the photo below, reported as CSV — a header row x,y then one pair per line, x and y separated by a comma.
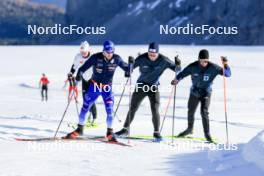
x,y
204,61
152,54
106,52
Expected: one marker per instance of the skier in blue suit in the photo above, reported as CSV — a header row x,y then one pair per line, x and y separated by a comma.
x,y
104,65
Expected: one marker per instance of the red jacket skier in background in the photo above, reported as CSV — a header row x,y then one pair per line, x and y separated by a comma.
x,y
43,84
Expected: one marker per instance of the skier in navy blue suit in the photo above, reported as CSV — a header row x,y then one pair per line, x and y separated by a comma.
x,y
202,73
104,65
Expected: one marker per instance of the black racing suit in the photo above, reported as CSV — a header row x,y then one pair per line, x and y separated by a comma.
x,y
150,71
202,79
137,97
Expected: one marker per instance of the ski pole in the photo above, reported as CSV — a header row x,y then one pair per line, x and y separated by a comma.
x,y
166,110
77,108
131,62
64,113
89,117
129,106
225,104
173,114
174,103
118,104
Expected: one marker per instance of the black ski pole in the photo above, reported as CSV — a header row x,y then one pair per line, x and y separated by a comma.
x,y
89,117
118,104
131,62
174,103
64,113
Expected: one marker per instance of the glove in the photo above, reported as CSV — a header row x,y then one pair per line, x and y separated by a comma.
x,y
177,61
78,78
174,82
224,61
69,75
131,60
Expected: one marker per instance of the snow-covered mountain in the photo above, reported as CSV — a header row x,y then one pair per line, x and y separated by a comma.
x,y
144,17
60,3
15,15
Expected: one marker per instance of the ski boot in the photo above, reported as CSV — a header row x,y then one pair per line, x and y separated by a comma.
x,y
208,138
110,135
185,132
122,133
76,133
93,123
157,137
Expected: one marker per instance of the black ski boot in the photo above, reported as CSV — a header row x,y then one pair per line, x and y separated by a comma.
x,y
110,135
206,128
157,136
76,133
93,123
208,138
185,132
122,133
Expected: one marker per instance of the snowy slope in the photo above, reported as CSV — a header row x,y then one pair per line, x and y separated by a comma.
x,y
23,115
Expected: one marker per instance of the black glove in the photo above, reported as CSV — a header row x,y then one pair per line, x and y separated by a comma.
x,y
69,75
131,60
72,69
177,61
78,77
127,74
224,61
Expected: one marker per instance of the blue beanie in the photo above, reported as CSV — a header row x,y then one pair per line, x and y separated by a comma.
x,y
153,47
109,46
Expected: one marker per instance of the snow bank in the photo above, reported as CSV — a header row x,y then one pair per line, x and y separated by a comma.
x,y
254,150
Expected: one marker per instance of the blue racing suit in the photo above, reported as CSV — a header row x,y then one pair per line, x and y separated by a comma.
x,y
101,84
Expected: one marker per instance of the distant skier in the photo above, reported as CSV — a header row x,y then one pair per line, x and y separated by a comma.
x,y
202,72
79,60
73,89
104,65
43,84
151,66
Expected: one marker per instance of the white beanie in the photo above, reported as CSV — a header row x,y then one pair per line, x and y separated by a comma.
x,y
85,47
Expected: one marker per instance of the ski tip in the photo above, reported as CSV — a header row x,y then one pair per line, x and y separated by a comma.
x,y
19,139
